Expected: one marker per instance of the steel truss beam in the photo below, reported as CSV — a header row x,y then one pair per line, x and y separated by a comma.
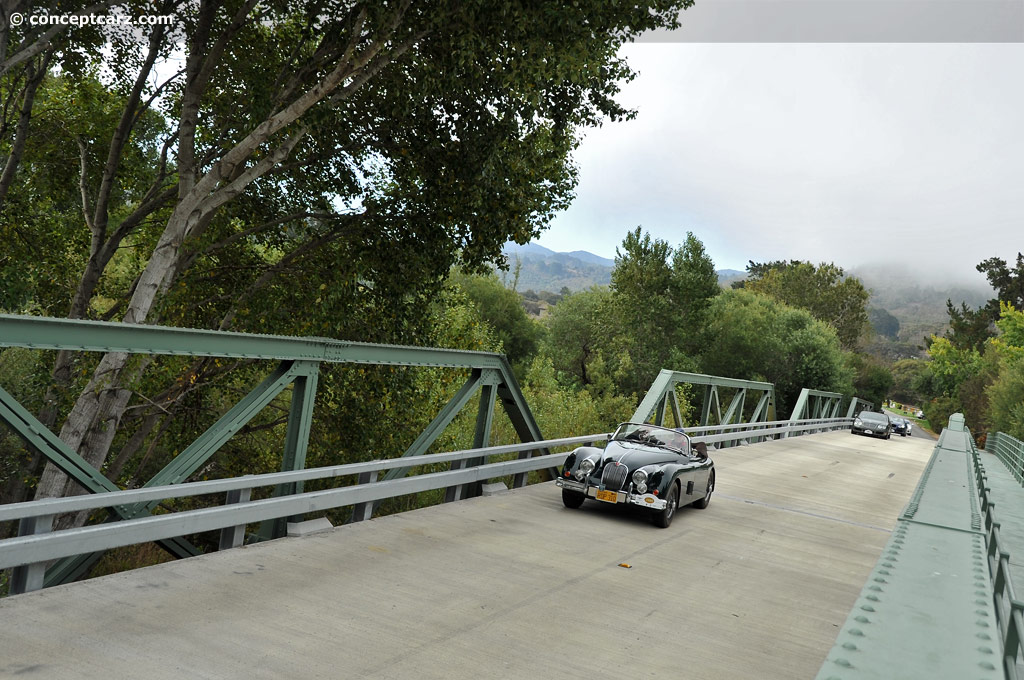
x,y
816,404
300,359
663,393
857,405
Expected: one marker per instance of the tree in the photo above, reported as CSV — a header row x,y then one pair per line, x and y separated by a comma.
x,y
871,380
1008,283
884,323
758,338
390,140
579,333
660,297
694,285
910,381
502,309
969,329
825,291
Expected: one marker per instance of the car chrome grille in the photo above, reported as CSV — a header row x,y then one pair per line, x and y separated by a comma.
x,y
614,476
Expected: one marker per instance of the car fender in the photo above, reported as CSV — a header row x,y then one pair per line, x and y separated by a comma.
x,y
577,456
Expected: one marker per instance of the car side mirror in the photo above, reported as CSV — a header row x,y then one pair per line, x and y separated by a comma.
x,y
609,436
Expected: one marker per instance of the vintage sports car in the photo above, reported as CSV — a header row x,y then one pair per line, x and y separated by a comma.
x,y
646,465
874,424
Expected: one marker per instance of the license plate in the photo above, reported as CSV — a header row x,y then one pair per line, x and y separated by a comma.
x,y
607,496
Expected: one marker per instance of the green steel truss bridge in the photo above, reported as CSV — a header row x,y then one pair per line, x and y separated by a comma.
x,y
822,554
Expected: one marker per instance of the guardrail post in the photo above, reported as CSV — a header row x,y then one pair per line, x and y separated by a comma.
x,y
29,577
363,511
234,537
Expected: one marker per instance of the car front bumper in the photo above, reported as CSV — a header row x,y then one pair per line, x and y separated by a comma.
x,y
644,500
872,432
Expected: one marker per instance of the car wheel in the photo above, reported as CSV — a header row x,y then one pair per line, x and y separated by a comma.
x,y
703,502
663,518
887,436
572,499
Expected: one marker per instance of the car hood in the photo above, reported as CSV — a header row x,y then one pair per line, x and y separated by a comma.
x,y
637,455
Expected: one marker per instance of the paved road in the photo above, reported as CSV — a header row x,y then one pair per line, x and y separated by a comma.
x,y
510,586
915,431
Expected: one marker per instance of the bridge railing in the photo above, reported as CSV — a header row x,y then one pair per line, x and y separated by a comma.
x,y
36,545
1009,610
939,602
1010,451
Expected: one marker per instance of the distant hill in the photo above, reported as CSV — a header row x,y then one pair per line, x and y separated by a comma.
x,y
726,277
541,268
544,269
919,307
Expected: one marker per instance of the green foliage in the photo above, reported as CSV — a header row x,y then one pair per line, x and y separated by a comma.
x,y
1008,283
951,365
566,412
911,381
579,333
1006,393
825,291
502,310
968,329
1006,400
660,299
753,337
871,379
938,410
884,323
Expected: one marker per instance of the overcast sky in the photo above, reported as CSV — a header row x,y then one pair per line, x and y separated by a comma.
x,y
848,153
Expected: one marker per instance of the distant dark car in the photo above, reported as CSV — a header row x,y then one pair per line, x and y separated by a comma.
x,y
654,467
871,423
900,426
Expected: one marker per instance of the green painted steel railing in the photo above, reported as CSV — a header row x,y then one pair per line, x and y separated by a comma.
x,y
662,395
1009,610
37,543
299,363
939,603
1010,450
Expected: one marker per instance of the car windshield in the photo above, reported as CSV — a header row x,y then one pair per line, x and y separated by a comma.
x,y
652,435
873,417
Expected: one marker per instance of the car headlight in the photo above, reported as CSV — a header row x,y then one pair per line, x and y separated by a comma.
x,y
586,467
858,423
640,481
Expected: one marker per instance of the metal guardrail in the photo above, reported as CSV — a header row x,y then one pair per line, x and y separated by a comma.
x,y
1010,450
37,545
1009,610
934,606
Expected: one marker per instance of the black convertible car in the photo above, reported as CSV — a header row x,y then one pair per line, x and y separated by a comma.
x,y
646,465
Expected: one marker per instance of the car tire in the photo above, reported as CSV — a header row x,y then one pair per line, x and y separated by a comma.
x,y
888,435
572,499
663,518
702,503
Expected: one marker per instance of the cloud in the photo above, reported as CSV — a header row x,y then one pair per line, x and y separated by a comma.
x,y
844,153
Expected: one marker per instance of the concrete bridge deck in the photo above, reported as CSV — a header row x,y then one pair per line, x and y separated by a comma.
x,y
510,586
